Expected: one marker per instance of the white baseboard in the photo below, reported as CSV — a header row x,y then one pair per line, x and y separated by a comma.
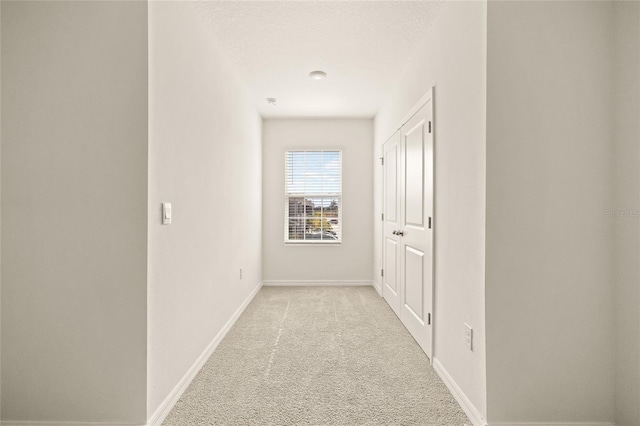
x,y
469,409
377,287
316,283
553,424
167,405
38,423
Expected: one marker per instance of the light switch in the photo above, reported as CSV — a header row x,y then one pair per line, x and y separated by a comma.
x,y
166,213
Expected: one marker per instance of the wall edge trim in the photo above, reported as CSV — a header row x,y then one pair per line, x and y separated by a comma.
x,y
467,406
316,283
170,401
377,287
553,424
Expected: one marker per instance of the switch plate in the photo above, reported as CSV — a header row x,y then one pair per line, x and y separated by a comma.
x,y
468,336
166,213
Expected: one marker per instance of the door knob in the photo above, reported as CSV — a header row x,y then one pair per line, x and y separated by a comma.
x,y
401,233
394,232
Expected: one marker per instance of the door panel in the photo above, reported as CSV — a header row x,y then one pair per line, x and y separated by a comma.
x,y
391,184
391,266
391,223
414,175
414,278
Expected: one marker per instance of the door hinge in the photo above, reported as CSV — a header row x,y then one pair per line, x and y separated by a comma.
x,y
429,318
429,222
382,216
429,126
382,272
382,160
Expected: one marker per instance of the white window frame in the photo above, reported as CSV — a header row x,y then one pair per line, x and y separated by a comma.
x,y
337,195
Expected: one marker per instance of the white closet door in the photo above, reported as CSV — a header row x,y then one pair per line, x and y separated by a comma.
x,y
391,223
416,242
408,224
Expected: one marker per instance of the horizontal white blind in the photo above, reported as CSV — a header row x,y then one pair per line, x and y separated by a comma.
x,y
313,196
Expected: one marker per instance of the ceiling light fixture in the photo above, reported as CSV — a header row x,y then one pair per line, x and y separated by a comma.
x,y
272,101
317,75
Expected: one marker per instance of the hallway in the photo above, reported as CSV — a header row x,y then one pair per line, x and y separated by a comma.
x,y
233,184
317,355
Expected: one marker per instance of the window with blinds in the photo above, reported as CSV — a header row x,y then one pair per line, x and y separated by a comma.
x,y
313,196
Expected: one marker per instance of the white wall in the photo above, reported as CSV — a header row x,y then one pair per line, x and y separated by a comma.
x,y
352,259
549,291
453,59
204,158
626,171
74,211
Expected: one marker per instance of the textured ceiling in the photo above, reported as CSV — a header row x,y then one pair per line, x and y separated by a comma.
x,y
363,46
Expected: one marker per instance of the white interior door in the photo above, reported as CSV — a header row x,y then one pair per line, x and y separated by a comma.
x,y
408,224
416,242
391,222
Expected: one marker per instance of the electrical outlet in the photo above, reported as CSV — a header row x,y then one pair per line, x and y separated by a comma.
x,y
468,336
240,273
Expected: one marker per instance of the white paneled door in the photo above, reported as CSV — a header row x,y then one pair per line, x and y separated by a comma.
x,y
408,224
391,222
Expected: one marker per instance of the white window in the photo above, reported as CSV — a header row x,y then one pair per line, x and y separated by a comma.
x,y
313,196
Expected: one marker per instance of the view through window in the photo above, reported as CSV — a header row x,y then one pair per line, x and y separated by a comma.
x,y
313,196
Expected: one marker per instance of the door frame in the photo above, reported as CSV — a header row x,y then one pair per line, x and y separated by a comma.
x,y
429,96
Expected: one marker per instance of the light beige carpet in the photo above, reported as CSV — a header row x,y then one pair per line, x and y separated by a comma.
x,y
317,356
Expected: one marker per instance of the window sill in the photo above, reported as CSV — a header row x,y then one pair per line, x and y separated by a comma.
x,y
312,243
